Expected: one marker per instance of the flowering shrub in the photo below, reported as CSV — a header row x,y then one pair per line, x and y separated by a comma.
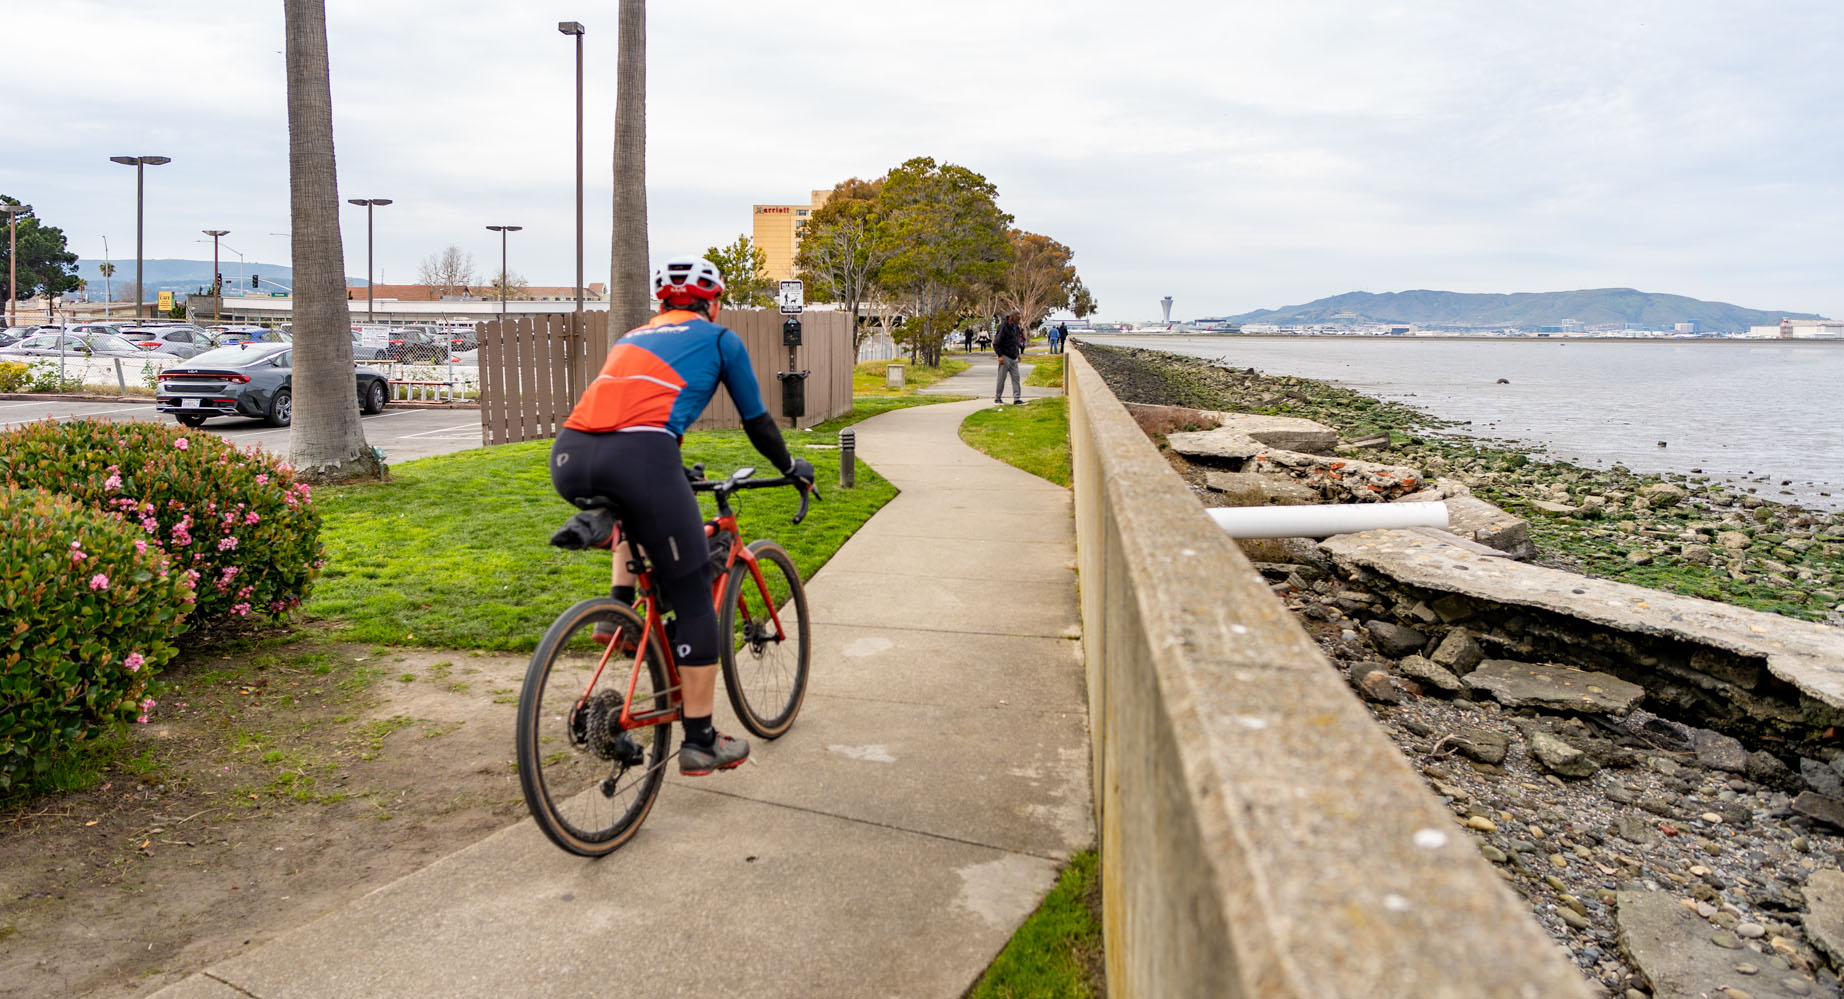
x,y
234,522
88,610
14,376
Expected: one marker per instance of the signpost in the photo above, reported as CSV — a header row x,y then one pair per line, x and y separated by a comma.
x,y
166,302
793,382
791,298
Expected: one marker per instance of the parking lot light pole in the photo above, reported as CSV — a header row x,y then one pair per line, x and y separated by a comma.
x,y
505,277
12,261
140,163
217,279
576,28
369,204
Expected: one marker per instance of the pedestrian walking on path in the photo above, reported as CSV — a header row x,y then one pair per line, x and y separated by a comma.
x,y
1009,347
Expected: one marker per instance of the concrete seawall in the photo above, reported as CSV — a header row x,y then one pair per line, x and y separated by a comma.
x,y
1259,835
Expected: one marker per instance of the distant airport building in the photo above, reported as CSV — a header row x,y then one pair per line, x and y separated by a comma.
x,y
777,233
1690,327
1801,329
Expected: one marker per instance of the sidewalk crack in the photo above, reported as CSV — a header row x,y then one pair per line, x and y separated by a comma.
x,y
879,825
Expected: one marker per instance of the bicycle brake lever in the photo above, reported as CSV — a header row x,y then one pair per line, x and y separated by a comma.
x,y
801,514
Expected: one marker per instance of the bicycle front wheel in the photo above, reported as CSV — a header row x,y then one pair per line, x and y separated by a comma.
x,y
588,783
766,653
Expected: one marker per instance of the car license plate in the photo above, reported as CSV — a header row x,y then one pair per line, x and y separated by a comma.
x,y
190,403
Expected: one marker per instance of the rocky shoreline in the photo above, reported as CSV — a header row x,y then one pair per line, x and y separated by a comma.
x,y
1666,859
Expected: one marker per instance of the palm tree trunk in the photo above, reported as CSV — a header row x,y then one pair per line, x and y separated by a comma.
x,y
630,298
326,442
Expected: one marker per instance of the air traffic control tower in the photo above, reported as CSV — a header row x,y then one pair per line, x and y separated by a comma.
x,y
1166,304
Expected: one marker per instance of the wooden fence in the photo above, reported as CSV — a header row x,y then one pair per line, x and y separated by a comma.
x,y
533,371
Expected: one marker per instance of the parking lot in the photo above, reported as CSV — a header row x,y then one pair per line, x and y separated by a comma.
x,y
402,432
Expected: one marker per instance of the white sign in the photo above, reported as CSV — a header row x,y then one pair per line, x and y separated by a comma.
x,y
791,297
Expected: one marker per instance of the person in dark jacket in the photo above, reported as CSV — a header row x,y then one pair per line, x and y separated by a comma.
x,y
1009,346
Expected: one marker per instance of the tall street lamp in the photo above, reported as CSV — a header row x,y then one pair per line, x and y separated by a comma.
x,y
12,261
217,278
139,163
576,28
369,204
505,278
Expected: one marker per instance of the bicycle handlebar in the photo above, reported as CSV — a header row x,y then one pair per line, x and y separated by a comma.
x,y
723,487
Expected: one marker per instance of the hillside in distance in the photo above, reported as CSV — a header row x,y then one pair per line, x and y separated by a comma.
x,y
1524,309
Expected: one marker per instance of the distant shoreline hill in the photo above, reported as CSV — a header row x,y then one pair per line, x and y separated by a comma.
x,y
183,277
1525,309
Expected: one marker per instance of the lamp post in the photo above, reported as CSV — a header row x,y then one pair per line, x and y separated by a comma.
x,y
12,261
369,203
217,278
576,28
505,277
139,163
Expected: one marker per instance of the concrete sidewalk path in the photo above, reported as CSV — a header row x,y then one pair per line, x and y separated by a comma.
x,y
978,381
889,845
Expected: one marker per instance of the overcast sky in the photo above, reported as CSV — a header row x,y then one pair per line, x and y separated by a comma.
x,y
1233,154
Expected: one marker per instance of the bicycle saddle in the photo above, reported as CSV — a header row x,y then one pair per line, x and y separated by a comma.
x,y
594,527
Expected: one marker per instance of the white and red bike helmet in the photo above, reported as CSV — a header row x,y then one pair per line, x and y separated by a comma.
x,y
680,280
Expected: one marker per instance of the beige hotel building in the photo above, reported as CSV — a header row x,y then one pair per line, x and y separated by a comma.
x,y
778,230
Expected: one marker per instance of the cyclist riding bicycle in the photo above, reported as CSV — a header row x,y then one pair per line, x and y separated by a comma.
x,y
622,442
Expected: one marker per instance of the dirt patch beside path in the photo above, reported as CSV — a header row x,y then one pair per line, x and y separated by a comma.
x,y
272,787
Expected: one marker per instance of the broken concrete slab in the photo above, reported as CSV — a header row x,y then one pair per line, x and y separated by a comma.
x,y
1716,751
1559,509
1682,956
1653,626
1473,518
1215,444
1428,674
1558,757
1824,915
1556,688
1241,435
1459,652
1256,489
1395,640
1820,808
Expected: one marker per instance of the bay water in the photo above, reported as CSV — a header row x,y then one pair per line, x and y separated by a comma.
x,y
1762,415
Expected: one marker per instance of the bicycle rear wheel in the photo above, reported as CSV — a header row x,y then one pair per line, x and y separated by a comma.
x,y
765,663
588,784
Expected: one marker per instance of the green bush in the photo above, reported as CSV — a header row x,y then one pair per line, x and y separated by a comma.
x,y
234,520
90,609
14,376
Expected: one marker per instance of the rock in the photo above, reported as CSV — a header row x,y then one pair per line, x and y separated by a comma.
x,y
1663,494
1558,509
1733,540
1258,489
1481,823
1484,745
1750,931
1575,919
1673,949
1541,685
1493,854
1632,827
1716,751
1820,808
1421,670
1558,757
1376,685
1453,607
1824,917
1765,768
1821,778
1459,652
1395,640
1476,520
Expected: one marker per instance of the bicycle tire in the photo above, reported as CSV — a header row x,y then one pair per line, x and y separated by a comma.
x,y
585,803
766,679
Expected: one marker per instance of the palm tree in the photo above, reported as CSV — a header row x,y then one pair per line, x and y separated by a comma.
x,y
629,297
327,442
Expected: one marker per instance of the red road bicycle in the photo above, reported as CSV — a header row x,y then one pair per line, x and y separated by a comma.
x,y
594,739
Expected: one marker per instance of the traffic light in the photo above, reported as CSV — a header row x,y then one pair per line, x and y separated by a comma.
x,y
256,280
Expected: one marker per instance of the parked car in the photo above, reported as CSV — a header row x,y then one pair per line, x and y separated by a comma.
x,y
13,334
179,341
229,336
461,338
250,379
418,343
68,344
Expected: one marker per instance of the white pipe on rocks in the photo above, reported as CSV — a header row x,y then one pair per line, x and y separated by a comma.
x,y
1325,520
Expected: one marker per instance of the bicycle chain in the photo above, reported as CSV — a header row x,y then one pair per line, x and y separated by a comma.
x,y
599,731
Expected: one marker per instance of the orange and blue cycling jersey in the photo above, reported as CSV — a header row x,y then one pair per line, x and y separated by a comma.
x,y
661,376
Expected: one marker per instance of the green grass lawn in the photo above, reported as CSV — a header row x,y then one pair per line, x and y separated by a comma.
x,y
1034,436
1056,954
868,379
1046,371
454,551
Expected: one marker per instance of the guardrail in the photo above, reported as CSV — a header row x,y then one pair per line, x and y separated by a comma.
x,y
1260,836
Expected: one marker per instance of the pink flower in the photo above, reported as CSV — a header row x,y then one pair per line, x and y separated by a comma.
x,y
99,582
147,706
140,546
182,443
134,662
149,524
252,518
227,543
241,610
262,478
76,552
112,483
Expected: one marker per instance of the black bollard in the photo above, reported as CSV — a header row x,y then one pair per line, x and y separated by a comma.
x,y
848,461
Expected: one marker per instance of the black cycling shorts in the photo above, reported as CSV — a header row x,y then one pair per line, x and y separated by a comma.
x,y
643,473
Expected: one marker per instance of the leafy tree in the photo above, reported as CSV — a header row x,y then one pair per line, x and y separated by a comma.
x,y
45,265
327,441
945,240
449,272
743,264
1080,301
841,251
630,298
1039,280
